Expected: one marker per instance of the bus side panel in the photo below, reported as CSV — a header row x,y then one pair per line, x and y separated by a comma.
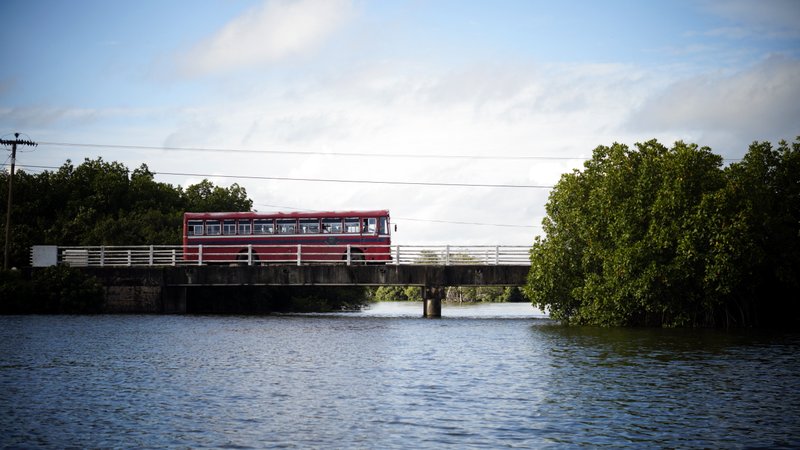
x,y
379,250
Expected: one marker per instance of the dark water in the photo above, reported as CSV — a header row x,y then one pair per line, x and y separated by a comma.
x,y
480,378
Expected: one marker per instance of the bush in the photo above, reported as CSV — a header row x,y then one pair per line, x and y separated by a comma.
x,y
52,290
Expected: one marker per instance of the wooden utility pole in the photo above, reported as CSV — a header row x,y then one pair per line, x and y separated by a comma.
x,y
13,143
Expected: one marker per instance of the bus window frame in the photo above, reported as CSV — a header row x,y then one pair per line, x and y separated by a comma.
x,y
192,226
263,227
354,226
383,226
329,226
309,226
213,227
229,227
369,225
244,227
286,226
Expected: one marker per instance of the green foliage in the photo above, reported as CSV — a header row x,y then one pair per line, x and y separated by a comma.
x,y
492,294
103,203
458,294
462,294
667,237
396,294
452,294
427,257
204,197
52,290
513,294
15,292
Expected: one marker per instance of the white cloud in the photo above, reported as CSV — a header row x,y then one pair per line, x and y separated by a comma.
x,y
277,30
502,109
760,103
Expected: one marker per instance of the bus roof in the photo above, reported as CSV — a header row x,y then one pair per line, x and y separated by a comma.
x,y
284,215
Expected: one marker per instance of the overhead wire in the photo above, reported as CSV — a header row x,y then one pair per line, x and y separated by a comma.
x,y
414,219
316,153
327,180
333,180
350,154
328,153
456,222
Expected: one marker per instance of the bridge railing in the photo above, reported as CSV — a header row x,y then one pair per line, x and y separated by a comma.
x,y
178,255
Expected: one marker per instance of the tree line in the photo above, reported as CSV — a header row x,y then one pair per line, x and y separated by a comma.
x,y
105,203
643,236
95,203
454,294
657,236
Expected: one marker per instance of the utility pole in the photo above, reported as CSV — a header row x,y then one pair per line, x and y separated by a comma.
x,y
13,144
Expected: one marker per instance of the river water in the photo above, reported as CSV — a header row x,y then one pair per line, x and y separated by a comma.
x,y
485,376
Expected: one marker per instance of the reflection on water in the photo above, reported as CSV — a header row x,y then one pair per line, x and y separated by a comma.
x,y
387,378
456,310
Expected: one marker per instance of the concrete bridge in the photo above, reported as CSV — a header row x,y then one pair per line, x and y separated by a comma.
x,y
162,278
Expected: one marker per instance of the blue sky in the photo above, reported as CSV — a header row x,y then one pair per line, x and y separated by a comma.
x,y
505,78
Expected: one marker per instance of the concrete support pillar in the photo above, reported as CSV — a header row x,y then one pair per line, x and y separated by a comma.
x,y
432,301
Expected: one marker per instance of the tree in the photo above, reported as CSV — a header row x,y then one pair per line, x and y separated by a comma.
x,y
205,197
667,237
103,203
396,294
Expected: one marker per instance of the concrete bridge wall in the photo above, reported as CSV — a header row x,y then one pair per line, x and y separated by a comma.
x,y
163,289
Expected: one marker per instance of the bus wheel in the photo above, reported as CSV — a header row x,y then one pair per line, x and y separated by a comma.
x,y
356,256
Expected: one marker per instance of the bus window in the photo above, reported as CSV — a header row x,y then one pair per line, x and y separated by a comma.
x,y
263,226
194,228
212,227
287,226
244,226
309,226
229,226
383,227
351,225
331,225
369,225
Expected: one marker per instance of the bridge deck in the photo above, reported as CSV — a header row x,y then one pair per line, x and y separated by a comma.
x,y
316,275
153,275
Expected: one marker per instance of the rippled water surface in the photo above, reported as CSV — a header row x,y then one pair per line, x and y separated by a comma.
x,y
487,376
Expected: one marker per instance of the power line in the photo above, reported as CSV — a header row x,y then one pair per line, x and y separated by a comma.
x,y
333,180
503,225
314,153
454,222
354,181
360,181
321,153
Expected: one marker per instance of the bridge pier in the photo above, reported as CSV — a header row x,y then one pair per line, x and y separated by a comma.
x,y
432,301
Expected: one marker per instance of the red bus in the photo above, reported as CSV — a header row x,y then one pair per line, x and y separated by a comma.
x,y
301,237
